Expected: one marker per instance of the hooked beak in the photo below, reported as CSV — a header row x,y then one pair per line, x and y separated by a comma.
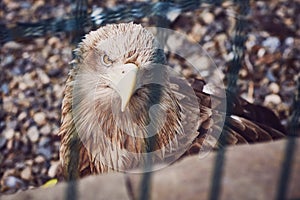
x,y
124,82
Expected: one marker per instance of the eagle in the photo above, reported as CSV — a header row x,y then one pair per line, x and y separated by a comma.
x,y
123,109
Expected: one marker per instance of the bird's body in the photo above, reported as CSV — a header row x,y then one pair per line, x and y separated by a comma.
x,y
114,112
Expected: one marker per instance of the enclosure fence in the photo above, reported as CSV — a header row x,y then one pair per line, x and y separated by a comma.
x,y
83,21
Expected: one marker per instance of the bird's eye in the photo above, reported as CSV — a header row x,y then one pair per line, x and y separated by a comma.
x,y
105,60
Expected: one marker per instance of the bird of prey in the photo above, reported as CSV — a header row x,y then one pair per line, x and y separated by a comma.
x,y
120,105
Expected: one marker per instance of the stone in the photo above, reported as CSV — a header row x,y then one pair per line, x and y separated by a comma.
x,y
44,141
10,144
22,116
8,104
204,60
5,88
26,173
28,80
197,32
39,118
272,98
53,169
43,77
46,129
19,165
289,41
58,90
12,182
39,159
271,43
54,59
53,41
33,134
208,17
2,141
274,87
12,44
29,162
12,124
45,151
9,133
22,86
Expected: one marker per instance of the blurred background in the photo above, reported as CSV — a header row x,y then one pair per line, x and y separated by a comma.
x,y
36,42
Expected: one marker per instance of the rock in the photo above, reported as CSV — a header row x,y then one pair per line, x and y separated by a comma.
x,y
274,87
26,173
19,165
45,151
5,89
58,90
36,169
33,134
40,118
44,141
53,72
207,17
261,52
22,116
22,86
272,98
197,32
12,124
8,104
25,55
46,129
43,77
9,133
270,76
2,141
53,41
289,41
40,42
39,159
29,162
53,59
272,43
12,181
13,45
10,144
28,80
11,184
53,169
44,170
204,60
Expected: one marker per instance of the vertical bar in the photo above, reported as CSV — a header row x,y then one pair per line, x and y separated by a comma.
x,y
294,130
145,187
286,169
232,77
238,46
72,173
217,174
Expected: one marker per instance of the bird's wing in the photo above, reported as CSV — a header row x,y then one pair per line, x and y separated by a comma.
x,y
243,123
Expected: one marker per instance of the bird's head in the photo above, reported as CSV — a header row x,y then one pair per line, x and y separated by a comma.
x,y
121,84
121,56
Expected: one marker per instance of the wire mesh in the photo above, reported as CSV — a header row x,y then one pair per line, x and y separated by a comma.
x,y
83,20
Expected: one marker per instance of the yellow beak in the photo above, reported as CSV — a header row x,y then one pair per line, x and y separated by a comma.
x,y
124,82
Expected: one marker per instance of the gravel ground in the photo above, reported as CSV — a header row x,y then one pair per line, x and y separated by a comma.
x,y
33,74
